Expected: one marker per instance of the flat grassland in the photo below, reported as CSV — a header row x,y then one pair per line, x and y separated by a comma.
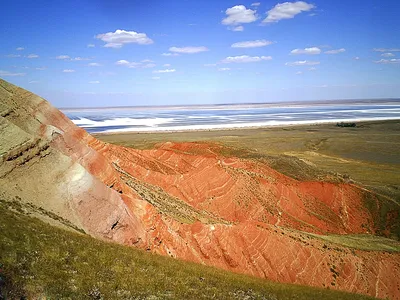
x,y
368,154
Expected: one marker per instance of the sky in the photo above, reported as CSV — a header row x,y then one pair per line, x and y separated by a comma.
x,y
84,53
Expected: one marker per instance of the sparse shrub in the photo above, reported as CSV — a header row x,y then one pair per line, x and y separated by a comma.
x,y
343,124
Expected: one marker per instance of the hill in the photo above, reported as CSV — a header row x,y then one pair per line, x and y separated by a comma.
x,y
196,202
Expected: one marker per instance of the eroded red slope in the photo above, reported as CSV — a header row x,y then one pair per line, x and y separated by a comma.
x,y
238,190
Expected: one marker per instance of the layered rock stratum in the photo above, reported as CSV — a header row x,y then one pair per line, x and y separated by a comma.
x,y
191,202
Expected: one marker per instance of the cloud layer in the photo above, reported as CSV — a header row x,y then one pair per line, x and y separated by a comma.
x,y
388,61
302,63
188,50
62,57
287,10
120,38
309,51
144,64
245,59
170,54
164,71
336,51
6,73
239,14
388,54
386,49
252,44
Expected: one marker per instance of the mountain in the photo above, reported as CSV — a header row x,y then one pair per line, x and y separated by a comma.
x,y
195,202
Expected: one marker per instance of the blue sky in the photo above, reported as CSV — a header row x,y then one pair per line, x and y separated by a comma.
x,y
112,53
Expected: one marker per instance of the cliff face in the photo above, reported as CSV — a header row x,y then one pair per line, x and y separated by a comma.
x,y
188,201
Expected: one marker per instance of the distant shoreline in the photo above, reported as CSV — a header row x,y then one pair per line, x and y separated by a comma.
x,y
277,126
261,104
230,117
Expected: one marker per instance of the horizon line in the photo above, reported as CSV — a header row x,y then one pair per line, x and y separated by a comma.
x,y
293,102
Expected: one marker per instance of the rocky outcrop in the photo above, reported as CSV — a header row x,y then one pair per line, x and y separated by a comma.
x,y
190,202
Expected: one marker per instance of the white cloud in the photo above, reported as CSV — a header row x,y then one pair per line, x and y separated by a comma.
x,y
299,73
239,14
188,50
135,65
91,45
387,54
312,69
128,64
68,71
33,81
79,58
6,73
170,54
155,78
287,10
41,68
303,63
20,48
386,49
164,71
224,69
388,61
94,82
210,65
32,56
245,59
146,61
120,37
252,44
256,4
336,51
357,58
167,65
122,62
310,51
147,66
94,64
13,55
63,57
238,28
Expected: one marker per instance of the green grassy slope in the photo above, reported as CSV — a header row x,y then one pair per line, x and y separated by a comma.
x,y
39,260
